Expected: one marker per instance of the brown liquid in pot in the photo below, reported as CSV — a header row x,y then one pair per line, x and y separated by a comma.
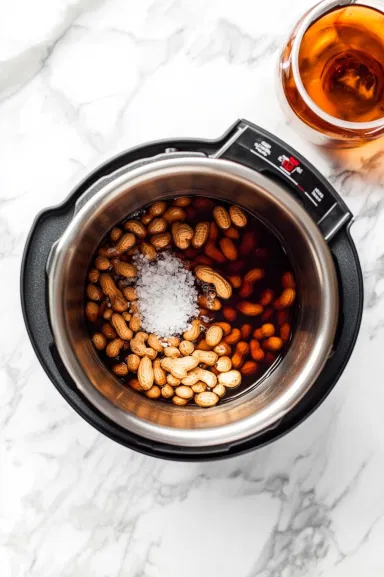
x,y
257,247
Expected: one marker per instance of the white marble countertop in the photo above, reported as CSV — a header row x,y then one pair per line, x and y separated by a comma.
x,y
79,81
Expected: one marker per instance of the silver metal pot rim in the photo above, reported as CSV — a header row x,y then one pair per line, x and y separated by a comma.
x,y
255,423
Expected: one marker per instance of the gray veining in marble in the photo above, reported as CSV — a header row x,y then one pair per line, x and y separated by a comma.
x,y
79,81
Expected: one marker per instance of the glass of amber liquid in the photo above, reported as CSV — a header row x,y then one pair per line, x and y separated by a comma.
x,y
331,72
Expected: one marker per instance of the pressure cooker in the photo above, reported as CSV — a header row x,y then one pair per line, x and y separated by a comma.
x,y
254,169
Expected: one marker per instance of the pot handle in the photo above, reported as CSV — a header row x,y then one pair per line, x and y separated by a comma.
x,y
256,148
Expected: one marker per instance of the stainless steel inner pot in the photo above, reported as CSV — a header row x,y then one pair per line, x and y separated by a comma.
x,y
261,407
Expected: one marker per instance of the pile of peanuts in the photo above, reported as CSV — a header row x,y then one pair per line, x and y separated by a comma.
x,y
220,348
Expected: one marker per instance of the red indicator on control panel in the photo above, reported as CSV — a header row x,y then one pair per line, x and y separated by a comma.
x,y
290,164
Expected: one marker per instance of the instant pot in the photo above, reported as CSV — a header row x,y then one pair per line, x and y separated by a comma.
x,y
257,171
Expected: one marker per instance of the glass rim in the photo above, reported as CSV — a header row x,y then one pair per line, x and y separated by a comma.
x,y
314,14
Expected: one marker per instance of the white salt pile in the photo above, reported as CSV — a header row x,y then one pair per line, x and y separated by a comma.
x,y
167,296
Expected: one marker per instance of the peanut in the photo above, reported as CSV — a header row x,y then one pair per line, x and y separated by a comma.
x,y
114,347
124,268
119,304
130,293
249,309
288,281
161,240
209,303
145,373
285,332
148,251
138,346
167,392
136,227
226,327
207,357
229,314
199,374
250,278
273,344
267,314
102,263
208,275
91,311
146,219
179,367
246,331
121,327
256,351
174,214
99,341
223,349
173,341
213,252
184,392
248,242
125,242
108,285
266,297
203,346
182,235
267,330
238,216
230,380
133,362
241,351
286,299
200,235
158,373
179,401
94,293
158,208
135,385
108,251
221,217
224,364
115,234
219,390
194,332
214,335
108,331
121,369
233,337
213,233
235,281
126,316
199,387
172,352
228,249
108,313
153,393
249,368
182,201
203,259
206,399
155,344
157,225
186,348
173,381
135,323
93,275
232,233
